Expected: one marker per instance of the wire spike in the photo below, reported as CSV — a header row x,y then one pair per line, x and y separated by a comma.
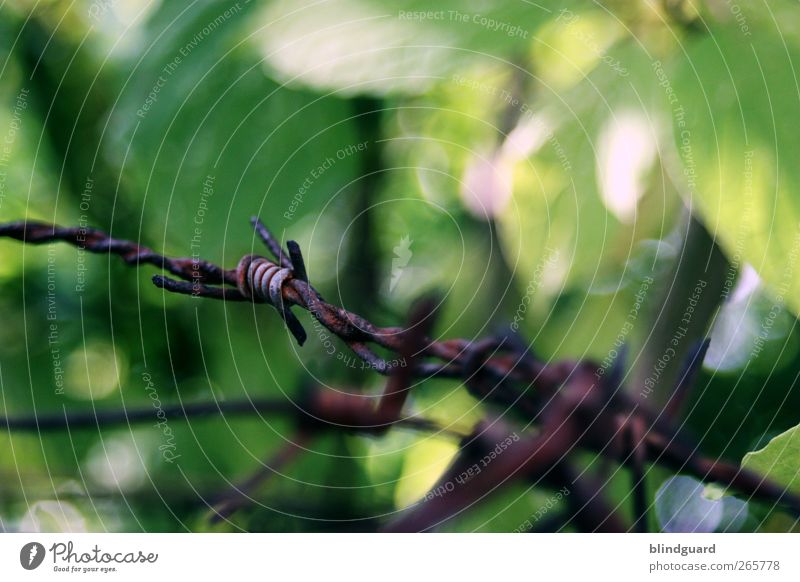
x,y
298,264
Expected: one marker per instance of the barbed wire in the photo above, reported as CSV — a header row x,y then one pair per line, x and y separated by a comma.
x,y
565,402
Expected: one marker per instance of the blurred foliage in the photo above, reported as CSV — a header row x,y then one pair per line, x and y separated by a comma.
x,y
385,47
531,161
779,459
732,141
683,505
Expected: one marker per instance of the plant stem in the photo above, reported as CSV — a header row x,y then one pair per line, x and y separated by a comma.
x,y
684,314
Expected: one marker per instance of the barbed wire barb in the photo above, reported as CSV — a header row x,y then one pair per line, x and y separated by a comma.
x,y
565,402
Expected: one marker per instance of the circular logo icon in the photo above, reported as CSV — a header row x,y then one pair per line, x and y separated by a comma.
x,y
31,555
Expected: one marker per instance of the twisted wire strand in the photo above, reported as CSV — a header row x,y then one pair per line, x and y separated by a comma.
x,y
97,241
569,385
253,279
259,278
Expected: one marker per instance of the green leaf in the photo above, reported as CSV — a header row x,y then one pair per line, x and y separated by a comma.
x,y
597,184
741,338
595,192
735,97
779,461
211,141
354,47
683,504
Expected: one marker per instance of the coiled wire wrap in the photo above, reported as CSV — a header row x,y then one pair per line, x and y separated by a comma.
x,y
261,279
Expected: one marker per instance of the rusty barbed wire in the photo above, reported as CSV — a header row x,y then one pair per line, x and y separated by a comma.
x,y
202,278
260,278
564,401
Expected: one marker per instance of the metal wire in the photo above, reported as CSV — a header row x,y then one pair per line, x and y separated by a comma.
x,y
571,408
261,279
